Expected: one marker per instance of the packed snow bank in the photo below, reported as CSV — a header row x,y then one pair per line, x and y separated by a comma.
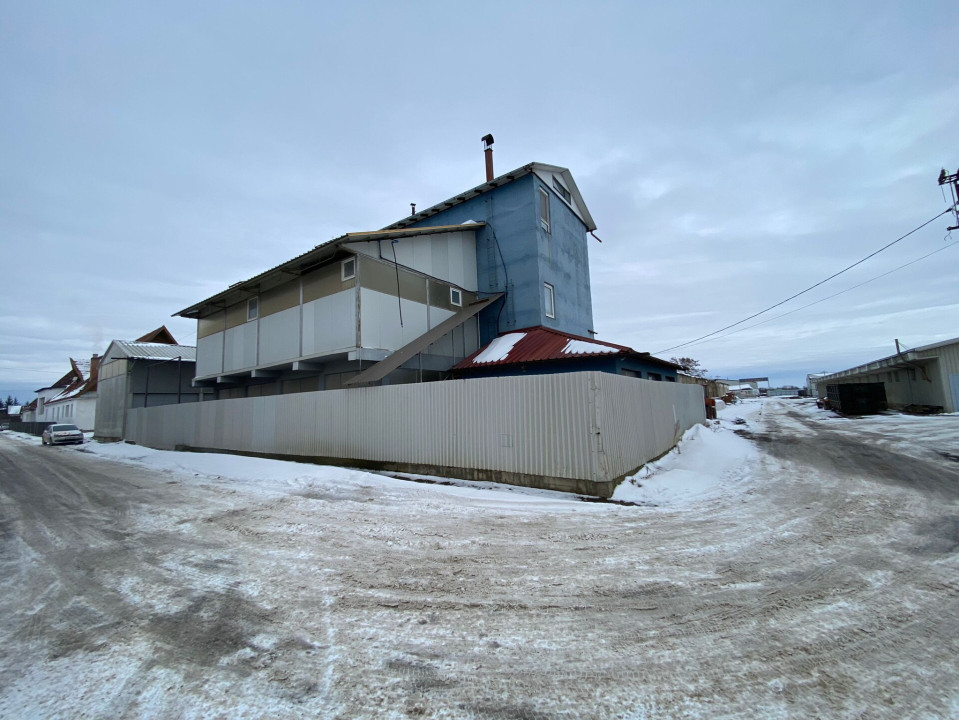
x,y
703,465
285,476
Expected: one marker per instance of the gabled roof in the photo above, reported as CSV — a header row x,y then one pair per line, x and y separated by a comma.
x,y
81,385
541,344
149,351
160,335
541,169
81,368
63,382
305,262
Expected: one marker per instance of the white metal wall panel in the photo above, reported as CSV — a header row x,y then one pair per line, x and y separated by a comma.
x,y
591,426
329,323
447,256
209,355
379,320
111,400
239,347
949,370
280,336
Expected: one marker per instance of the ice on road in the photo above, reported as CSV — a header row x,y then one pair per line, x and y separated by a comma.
x,y
793,564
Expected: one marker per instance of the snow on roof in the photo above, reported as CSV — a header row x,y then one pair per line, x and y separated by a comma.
x,y
80,385
585,347
538,344
499,348
70,392
83,366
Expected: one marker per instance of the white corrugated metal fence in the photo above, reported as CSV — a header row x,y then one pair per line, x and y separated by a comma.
x,y
565,431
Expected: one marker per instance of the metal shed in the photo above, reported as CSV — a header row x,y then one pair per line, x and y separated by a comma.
x,y
925,377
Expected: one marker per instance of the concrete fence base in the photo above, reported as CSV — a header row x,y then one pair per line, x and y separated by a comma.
x,y
574,432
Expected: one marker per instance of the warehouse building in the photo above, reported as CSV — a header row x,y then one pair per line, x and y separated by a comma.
x,y
925,378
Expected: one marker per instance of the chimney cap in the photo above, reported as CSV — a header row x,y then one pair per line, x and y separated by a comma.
x,y
488,139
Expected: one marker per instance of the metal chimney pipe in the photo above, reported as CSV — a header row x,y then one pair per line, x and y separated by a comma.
x,y
488,152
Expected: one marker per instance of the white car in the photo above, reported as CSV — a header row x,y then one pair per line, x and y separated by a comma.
x,y
61,434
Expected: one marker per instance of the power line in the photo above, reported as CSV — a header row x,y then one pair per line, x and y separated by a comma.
x,y
811,287
842,292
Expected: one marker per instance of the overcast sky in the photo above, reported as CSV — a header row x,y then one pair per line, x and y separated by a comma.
x,y
731,154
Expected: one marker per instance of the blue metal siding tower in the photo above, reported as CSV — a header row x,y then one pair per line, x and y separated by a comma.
x,y
515,253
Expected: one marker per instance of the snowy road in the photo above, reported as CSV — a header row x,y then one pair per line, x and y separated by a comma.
x,y
817,575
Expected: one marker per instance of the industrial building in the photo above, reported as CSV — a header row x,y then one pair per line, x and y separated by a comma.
x,y
324,357
411,301
150,371
923,379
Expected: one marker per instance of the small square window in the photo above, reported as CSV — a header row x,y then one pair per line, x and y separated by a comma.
x,y
348,269
544,209
252,308
456,297
549,300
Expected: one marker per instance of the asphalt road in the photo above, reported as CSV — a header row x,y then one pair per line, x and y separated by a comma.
x,y
823,585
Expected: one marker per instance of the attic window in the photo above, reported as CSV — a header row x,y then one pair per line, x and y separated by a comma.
x,y
252,308
544,209
348,269
563,192
456,297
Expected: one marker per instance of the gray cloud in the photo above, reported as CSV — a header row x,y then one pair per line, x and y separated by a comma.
x,y
732,154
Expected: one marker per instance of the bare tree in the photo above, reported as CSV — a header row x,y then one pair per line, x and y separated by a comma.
x,y
690,366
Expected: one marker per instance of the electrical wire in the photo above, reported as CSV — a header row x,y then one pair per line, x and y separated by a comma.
x,y
842,292
811,287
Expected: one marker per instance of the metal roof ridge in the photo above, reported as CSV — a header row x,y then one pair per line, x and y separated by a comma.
x,y
465,195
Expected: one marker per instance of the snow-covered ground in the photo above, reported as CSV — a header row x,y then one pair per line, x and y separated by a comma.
x,y
705,463
780,562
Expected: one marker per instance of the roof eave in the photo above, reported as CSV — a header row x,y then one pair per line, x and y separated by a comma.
x,y
307,261
504,179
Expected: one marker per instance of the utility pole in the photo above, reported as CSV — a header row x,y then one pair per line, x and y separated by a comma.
x,y
953,182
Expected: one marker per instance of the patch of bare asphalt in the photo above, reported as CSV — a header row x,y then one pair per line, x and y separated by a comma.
x,y
213,625
832,452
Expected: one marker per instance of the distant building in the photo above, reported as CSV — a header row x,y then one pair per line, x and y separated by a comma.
x,y
146,372
28,413
744,390
411,301
714,388
925,376
813,386
73,398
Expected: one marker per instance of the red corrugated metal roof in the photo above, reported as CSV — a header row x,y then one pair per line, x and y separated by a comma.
x,y
539,344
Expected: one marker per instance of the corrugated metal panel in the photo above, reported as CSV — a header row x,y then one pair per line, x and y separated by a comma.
x,y
948,355
540,343
642,419
588,426
111,401
156,351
